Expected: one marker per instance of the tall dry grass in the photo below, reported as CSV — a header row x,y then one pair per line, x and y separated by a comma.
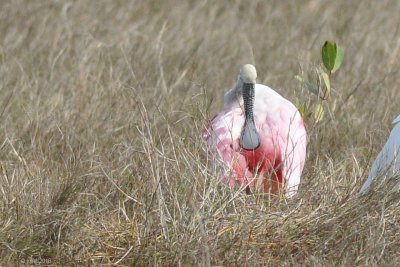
x,y
101,107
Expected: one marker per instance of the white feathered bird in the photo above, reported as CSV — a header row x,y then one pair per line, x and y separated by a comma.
x,y
387,163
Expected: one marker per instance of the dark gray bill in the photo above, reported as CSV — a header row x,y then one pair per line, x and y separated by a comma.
x,y
249,139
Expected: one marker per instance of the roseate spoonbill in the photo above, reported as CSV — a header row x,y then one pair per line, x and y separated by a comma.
x,y
387,163
259,139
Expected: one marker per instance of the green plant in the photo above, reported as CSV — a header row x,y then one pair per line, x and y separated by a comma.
x,y
332,58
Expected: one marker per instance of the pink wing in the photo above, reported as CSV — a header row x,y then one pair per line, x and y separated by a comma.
x,y
294,137
222,137
278,116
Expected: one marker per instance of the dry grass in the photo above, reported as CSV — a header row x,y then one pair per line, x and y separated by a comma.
x,y
101,107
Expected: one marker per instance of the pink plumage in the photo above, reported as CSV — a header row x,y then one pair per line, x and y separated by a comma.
x,y
276,162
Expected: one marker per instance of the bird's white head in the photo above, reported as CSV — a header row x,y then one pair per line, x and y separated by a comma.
x,y
248,74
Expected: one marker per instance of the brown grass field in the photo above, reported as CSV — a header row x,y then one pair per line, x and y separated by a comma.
x,y
101,108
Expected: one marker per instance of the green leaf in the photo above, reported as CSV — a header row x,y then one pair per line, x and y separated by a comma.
x,y
319,113
338,59
300,107
325,78
332,56
311,87
328,55
299,78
